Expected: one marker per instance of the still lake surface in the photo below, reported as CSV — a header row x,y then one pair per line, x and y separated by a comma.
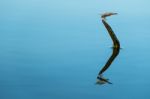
x,y
55,49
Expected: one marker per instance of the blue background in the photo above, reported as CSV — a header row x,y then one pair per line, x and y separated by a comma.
x,y
54,49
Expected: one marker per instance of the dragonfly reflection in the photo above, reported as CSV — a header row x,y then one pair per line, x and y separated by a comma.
x,y
115,52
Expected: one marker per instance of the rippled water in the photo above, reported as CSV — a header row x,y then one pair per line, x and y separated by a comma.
x,y
55,49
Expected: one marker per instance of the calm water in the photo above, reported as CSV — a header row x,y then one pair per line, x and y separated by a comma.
x,y
53,49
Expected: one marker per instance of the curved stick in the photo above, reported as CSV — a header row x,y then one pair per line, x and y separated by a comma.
x,y
115,40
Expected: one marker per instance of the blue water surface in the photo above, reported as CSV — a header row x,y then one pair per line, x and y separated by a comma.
x,y
54,49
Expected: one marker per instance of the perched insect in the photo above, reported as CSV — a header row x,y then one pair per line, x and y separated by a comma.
x,y
103,16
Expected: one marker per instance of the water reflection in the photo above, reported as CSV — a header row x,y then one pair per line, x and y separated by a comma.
x,y
115,52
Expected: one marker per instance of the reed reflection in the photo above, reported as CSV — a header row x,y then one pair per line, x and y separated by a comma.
x,y
115,51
